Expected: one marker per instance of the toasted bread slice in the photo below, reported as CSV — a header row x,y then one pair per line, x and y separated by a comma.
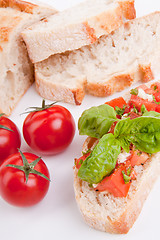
x,y
16,70
75,27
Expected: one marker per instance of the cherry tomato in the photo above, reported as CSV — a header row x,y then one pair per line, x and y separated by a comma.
x,y
50,130
10,139
20,189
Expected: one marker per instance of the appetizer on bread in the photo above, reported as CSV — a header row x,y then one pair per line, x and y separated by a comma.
x,y
121,159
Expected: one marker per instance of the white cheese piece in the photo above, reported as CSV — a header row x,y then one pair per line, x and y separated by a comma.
x,y
124,116
145,96
122,157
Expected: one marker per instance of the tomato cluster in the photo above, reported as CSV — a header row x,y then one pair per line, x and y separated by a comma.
x,y
24,177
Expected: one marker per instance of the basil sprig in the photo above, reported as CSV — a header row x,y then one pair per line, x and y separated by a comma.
x,y
101,161
96,121
143,132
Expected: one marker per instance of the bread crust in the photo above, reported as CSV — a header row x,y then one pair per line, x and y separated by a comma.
x,y
76,96
24,6
128,9
116,83
59,92
21,6
134,201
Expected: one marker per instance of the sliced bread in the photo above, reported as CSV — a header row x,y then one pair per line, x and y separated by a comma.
x,y
75,27
16,70
103,211
115,61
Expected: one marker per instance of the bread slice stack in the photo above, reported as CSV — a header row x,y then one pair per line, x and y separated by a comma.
x,y
66,32
78,26
113,62
16,69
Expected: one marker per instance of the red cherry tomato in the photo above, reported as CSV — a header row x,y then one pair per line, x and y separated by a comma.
x,y
13,186
10,139
49,131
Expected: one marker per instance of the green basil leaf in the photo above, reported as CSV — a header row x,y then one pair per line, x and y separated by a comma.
x,y
134,91
120,111
152,114
143,132
101,161
143,109
121,132
126,178
96,121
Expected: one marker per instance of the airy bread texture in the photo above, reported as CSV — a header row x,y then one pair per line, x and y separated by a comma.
x,y
16,70
75,27
103,211
115,61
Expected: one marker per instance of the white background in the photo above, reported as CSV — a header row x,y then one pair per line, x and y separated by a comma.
x,y
57,216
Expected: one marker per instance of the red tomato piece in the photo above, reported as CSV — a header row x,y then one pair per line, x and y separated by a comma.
x,y
158,108
112,127
79,161
10,141
155,86
138,102
157,96
137,157
133,115
117,102
115,183
49,131
155,90
13,186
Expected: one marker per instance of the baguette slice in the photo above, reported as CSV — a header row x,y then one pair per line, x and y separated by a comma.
x,y
75,27
115,61
103,211
16,70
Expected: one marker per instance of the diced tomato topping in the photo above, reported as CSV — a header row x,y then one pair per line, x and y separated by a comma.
x,y
144,87
138,102
158,108
155,86
115,183
127,109
137,157
133,115
112,127
155,90
157,96
117,102
79,161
